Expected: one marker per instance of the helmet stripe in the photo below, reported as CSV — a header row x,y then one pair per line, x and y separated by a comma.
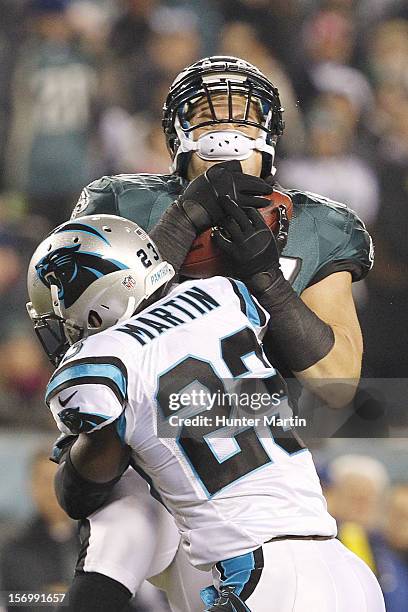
x,y
82,227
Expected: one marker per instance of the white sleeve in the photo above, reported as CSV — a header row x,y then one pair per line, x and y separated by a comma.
x,y
87,394
84,408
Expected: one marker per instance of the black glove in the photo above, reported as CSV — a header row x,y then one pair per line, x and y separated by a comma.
x,y
61,446
200,199
247,241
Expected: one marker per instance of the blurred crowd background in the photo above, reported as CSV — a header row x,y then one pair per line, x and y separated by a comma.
x,y
82,84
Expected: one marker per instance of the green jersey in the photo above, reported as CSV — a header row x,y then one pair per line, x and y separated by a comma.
x,y
324,236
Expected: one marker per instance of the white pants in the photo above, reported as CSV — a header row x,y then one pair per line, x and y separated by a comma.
x,y
133,538
306,576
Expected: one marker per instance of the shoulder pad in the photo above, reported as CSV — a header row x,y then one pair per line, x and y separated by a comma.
x,y
96,198
101,356
328,237
90,389
141,198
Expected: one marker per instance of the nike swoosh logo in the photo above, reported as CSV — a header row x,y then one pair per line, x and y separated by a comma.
x,y
63,403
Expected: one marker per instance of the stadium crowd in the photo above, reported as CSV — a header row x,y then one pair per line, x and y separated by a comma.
x,y
82,88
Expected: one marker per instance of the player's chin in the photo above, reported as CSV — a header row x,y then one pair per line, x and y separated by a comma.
x,y
252,165
199,166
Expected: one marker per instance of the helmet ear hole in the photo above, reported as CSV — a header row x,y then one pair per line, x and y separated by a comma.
x,y
94,320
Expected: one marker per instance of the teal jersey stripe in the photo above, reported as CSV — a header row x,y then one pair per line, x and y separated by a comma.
x,y
251,310
121,427
237,571
83,370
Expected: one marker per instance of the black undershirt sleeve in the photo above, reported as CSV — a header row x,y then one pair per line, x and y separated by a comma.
x,y
78,496
173,235
298,337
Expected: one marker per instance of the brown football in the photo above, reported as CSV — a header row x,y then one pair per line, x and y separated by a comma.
x,y
205,259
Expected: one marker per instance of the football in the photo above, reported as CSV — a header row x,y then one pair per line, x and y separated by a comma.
x,y
205,259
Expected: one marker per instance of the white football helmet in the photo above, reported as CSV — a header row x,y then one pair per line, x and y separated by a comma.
x,y
88,275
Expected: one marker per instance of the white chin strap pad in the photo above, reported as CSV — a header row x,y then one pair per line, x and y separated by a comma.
x,y
56,304
224,145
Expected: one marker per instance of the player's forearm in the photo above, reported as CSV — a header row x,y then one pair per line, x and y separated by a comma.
x,y
88,471
100,456
335,377
173,235
76,495
314,350
295,333
308,346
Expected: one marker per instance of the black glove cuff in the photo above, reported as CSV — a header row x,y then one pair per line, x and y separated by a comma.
x,y
78,496
264,281
196,214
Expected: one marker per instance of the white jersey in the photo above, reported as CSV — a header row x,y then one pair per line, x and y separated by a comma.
x,y
231,481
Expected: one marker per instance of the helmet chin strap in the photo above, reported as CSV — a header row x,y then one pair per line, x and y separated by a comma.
x,y
56,303
223,145
72,331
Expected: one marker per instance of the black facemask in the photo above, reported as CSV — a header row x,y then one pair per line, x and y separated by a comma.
x,y
50,330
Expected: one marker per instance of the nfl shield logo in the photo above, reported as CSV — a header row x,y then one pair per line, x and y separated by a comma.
x,y
129,282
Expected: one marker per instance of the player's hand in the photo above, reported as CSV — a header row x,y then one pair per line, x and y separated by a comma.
x,y
61,446
200,201
247,241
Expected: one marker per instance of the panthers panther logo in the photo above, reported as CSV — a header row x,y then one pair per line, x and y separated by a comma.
x,y
73,271
80,422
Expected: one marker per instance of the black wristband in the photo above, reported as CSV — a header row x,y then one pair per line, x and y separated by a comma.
x,y
295,333
173,235
78,496
263,281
